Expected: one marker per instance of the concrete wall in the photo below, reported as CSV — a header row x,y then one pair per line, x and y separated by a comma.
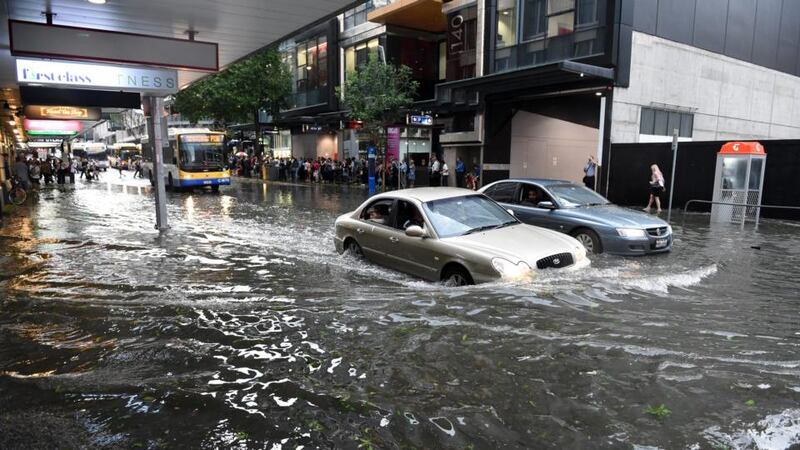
x,y
545,147
305,146
731,99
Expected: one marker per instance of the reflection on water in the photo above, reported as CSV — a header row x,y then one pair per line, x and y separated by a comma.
x,y
243,327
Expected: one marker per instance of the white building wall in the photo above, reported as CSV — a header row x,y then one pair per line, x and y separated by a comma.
x,y
730,99
544,147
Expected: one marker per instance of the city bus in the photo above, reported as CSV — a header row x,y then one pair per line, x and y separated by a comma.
x,y
93,151
194,158
124,154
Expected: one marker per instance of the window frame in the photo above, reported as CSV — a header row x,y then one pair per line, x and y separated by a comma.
x,y
392,212
514,195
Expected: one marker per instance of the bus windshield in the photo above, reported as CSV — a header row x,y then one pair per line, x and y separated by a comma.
x,y
199,152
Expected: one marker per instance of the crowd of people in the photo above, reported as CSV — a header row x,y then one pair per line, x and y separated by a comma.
x,y
34,171
397,174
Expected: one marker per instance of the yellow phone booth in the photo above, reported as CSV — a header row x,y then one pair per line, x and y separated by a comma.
x,y
739,179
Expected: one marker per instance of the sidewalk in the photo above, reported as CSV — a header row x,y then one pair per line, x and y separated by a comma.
x,y
238,179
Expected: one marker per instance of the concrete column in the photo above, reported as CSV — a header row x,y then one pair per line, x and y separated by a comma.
x,y
154,130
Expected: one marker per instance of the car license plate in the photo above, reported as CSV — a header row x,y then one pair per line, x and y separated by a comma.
x,y
661,243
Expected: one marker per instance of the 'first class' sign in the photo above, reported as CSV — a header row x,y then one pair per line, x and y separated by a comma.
x,y
97,76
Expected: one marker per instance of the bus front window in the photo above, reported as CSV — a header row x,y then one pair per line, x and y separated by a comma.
x,y
201,152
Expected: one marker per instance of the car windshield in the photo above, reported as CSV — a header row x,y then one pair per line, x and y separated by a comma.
x,y
573,196
464,215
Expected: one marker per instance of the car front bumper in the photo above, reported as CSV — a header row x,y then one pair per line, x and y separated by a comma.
x,y
618,245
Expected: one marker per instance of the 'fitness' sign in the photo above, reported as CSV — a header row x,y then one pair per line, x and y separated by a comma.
x,y
97,76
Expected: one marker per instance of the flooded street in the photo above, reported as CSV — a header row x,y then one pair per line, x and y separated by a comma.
x,y
243,328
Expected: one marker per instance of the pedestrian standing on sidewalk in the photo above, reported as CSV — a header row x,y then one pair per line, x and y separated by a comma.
x,y
460,170
21,172
403,174
35,171
589,171
436,176
445,174
71,171
47,171
412,173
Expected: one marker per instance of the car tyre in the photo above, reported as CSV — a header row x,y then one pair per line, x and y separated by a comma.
x,y
589,239
354,249
456,276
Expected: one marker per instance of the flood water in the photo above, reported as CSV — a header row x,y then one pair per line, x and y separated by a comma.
x,y
243,328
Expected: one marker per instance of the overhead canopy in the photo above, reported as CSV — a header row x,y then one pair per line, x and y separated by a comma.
x,y
239,27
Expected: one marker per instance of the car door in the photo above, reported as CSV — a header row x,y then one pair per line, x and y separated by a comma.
x,y
418,254
529,213
374,230
505,192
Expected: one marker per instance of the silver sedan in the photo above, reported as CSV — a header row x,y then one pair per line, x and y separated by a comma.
x,y
452,235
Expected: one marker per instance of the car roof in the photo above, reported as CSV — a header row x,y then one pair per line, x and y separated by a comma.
x,y
540,181
427,194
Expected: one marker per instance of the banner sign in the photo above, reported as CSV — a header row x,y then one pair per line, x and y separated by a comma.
x,y
63,126
97,76
392,144
61,112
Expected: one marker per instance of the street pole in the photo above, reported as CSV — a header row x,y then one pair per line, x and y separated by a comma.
x,y
371,169
601,131
154,130
672,178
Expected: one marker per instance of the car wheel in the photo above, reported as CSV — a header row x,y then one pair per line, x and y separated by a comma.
x,y
589,239
353,249
456,276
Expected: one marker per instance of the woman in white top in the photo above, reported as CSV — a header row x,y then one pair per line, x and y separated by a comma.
x,y
656,188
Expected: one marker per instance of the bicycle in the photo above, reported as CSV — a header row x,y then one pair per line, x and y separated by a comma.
x,y
17,194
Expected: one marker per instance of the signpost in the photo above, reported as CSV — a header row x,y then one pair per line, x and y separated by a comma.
x,y
423,120
672,178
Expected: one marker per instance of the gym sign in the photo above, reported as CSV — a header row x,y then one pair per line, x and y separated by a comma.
x,y
97,76
61,112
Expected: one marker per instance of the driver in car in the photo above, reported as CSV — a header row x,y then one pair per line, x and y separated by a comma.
x,y
532,199
416,219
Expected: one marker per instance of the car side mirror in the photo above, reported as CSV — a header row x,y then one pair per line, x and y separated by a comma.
x,y
511,211
546,205
416,232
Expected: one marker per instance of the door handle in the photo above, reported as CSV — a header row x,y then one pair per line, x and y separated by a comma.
x,y
394,239
359,231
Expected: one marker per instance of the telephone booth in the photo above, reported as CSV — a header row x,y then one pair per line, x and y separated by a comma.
x,y
739,179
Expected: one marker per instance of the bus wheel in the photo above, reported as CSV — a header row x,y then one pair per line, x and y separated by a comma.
x,y
215,188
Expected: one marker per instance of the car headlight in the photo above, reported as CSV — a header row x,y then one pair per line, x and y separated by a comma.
x,y
632,232
669,229
580,253
509,270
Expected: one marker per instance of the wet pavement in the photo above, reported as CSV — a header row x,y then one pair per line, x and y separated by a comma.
x,y
242,328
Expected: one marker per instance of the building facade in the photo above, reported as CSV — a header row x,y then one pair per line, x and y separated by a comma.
x,y
534,87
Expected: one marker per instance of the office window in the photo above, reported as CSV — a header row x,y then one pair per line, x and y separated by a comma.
x,y
661,122
587,12
557,6
561,24
357,56
506,23
356,16
534,21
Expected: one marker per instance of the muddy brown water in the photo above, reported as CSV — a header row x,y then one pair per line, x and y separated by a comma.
x,y
241,327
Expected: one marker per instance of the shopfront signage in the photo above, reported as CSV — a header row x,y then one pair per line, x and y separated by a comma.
x,y
60,126
312,128
61,112
455,34
424,120
48,140
97,76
